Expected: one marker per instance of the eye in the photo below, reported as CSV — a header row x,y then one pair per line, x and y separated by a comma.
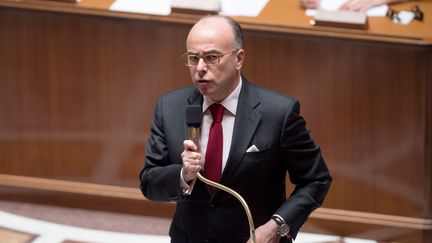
x,y
212,58
193,58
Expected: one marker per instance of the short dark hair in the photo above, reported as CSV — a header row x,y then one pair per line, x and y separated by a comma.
x,y
238,32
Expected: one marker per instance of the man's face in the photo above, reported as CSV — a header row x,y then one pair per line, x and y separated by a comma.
x,y
214,38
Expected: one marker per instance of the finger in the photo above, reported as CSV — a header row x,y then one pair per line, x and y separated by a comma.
x,y
190,155
191,169
192,162
344,7
189,145
192,159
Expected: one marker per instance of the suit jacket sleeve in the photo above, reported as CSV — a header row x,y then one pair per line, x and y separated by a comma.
x,y
307,170
160,177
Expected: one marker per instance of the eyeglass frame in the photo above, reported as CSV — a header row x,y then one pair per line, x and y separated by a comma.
x,y
207,62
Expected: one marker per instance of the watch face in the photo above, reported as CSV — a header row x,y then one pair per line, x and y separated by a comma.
x,y
284,230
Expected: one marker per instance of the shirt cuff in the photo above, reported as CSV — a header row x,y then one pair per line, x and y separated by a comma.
x,y
186,187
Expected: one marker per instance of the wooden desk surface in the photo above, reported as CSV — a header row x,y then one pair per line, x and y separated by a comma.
x,y
278,16
288,15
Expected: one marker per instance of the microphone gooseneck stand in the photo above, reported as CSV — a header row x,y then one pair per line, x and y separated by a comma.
x,y
236,195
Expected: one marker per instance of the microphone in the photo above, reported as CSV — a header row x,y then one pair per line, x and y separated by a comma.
x,y
194,117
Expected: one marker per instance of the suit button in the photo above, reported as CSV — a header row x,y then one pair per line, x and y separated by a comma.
x,y
211,207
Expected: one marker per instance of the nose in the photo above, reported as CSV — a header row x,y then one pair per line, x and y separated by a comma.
x,y
201,66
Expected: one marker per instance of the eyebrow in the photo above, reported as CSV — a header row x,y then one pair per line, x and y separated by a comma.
x,y
213,51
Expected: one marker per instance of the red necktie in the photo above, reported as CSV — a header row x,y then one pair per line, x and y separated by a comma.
x,y
213,157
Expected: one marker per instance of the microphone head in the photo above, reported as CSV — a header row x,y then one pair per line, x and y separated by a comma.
x,y
194,115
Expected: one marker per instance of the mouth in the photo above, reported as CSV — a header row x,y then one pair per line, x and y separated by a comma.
x,y
203,81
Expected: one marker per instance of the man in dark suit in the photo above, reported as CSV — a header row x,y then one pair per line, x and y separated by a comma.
x,y
261,137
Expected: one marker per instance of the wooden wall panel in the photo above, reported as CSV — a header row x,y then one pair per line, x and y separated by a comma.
x,y
365,103
79,93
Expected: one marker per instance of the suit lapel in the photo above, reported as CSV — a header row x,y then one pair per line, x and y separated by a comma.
x,y
246,122
195,98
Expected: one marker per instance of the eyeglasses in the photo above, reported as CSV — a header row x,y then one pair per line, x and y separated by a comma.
x,y
394,15
192,60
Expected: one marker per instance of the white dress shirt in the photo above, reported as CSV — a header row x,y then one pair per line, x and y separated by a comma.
x,y
230,105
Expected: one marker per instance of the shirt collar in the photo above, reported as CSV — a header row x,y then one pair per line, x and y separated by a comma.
x,y
230,102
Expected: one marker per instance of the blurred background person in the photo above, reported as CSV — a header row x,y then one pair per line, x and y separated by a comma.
x,y
351,5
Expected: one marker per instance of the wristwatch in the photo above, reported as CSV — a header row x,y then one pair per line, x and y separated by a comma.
x,y
283,228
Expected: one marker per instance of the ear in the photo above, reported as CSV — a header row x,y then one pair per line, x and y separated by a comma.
x,y
240,58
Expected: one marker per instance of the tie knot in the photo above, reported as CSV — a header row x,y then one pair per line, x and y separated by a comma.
x,y
217,111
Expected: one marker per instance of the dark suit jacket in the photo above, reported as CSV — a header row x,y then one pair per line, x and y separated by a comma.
x,y
272,123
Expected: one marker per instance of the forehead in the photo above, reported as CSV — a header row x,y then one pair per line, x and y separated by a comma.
x,y
210,34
